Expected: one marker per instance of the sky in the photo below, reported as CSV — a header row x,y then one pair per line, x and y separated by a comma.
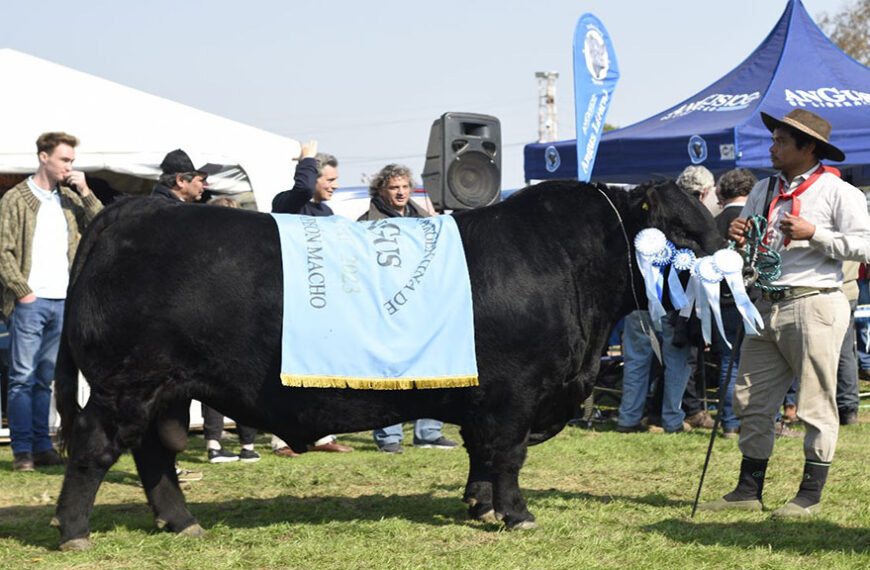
x,y
366,79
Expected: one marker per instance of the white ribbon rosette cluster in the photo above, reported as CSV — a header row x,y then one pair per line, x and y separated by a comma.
x,y
655,253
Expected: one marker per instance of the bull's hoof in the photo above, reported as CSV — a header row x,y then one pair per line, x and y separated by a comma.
x,y
76,544
483,513
523,525
490,516
193,530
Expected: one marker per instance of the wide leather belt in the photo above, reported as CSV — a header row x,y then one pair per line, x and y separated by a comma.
x,y
794,293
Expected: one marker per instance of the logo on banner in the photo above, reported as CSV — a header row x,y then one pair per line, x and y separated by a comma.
x,y
552,158
827,97
697,149
595,52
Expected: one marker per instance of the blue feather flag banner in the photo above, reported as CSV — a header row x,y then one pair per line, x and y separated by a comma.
x,y
595,75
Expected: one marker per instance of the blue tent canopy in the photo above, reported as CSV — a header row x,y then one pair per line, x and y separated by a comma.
x,y
796,66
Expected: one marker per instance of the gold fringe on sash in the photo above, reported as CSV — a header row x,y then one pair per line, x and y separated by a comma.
x,y
302,381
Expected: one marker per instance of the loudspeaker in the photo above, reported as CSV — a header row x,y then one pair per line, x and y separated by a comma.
x,y
463,161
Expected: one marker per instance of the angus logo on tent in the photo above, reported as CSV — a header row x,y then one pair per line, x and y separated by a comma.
x,y
827,97
595,52
552,159
697,149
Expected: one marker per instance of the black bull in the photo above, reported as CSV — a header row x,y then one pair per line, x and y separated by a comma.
x,y
168,303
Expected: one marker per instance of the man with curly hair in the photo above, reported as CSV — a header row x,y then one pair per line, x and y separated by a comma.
x,y
390,192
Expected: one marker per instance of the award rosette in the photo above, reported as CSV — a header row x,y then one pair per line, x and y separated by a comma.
x,y
730,264
655,252
708,276
681,260
651,248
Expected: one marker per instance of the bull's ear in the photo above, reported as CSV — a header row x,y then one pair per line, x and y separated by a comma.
x,y
640,205
653,202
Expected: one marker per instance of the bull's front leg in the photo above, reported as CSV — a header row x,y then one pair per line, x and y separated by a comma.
x,y
507,497
478,490
91,454
495,458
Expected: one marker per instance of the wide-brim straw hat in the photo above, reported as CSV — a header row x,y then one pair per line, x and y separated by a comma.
x,y
810,124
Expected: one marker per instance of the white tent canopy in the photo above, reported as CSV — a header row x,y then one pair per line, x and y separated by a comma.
x,y
127,131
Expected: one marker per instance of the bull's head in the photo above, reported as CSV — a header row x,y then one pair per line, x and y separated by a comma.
x,y
682,218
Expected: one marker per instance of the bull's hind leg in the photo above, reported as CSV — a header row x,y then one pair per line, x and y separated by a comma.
x,y
155,461
93,450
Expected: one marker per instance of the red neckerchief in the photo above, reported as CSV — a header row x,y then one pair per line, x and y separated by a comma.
x,y
794,195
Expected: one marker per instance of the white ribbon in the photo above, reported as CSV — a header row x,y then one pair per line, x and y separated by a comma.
x,y
709,277
649,244
682,260
692,294
702,309
730,264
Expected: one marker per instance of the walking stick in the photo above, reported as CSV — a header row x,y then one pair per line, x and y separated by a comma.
x,y
723,389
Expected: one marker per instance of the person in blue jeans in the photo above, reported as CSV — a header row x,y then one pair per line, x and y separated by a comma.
x,y
732,190
427,435
41,222
390,192
732,322
637,360
862,328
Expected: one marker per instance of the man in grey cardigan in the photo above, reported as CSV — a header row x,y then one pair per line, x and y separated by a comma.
x,y
41,222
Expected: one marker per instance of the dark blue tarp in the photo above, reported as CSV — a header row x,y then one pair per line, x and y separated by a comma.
x,y
796,66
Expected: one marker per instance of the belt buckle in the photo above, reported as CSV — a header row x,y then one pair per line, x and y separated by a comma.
x,y
777,296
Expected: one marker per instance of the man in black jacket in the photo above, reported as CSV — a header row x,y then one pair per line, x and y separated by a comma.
x,y
390,192
315,180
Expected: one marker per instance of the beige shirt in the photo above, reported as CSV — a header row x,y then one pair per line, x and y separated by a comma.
x,y
839,212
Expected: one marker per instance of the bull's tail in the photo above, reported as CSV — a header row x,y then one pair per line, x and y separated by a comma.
x,y
67,369
66,387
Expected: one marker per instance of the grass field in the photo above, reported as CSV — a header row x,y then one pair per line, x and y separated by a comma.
x,y
602,500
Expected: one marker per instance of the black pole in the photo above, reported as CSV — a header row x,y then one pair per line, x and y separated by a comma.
x,y
723,389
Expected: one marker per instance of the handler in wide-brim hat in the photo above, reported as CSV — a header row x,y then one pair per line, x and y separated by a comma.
x,y
815,220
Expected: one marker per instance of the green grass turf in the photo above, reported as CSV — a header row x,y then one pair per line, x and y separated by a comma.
x,y
602,500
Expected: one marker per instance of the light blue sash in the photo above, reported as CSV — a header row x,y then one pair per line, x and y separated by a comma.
x,y
380,305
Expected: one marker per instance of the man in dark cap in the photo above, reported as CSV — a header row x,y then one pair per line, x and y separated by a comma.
x,y
815,221
180,181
